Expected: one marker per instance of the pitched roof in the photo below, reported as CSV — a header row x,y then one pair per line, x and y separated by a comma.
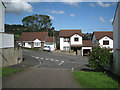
x,y
101,34
87,43
50,39
69,33
31,36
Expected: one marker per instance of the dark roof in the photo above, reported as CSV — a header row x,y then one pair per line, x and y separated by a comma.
x,y
31,36
50,39
87,43
101,34
118,5
69,33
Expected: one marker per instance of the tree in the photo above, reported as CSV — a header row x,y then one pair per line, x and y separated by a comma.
x,y
37,22
99,58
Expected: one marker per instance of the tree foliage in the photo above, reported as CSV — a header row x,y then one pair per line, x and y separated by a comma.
x,y
99,58
37,22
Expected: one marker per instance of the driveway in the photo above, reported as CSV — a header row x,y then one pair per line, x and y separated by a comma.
x,y
46,70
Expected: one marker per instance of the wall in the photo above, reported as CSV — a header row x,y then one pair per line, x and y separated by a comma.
x,y
37,41
10,56
86,48
116,43
76,42
107,46
94,40
2,8
62,43
52,45
7,40
27,45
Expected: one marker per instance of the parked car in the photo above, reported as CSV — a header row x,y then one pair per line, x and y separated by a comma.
x,y
47,48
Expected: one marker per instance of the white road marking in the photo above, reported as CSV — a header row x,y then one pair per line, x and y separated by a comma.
x,y
46,59
52,59
38,64
41,58
56,60
61,63
37,57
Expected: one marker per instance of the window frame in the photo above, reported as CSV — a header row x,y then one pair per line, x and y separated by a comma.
x,y
105,42
75,39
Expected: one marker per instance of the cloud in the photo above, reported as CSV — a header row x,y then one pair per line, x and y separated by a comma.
x,y
92,5
72,3
102,19
18,6
72,15
51,17
103,4
55,12
111,20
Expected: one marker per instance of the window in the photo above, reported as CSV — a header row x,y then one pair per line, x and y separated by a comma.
x,y
66,39
105,42
37,44
76,39
66,48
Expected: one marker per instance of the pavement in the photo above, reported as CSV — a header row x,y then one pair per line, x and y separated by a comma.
x,y
45,70
41,78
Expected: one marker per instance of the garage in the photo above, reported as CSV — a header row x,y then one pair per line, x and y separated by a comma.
x,y
86,52
86,47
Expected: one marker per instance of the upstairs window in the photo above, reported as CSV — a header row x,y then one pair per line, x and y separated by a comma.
x,y
66,39
76,39
105,42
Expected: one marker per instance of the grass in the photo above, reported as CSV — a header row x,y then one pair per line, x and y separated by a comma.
x,y
89,79
9,71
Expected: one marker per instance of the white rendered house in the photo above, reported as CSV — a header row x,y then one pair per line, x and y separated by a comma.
x,y
72,40
116,37
103,38
33,39
36,40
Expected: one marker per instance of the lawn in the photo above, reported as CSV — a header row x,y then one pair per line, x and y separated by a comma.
x,y
89,79
9,71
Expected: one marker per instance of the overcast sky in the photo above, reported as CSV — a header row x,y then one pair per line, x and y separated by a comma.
x,y
88,16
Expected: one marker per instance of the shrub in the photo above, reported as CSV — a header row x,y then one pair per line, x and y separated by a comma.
x,y
99,58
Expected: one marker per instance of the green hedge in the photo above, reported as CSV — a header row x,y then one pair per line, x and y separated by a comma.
x,y
99,58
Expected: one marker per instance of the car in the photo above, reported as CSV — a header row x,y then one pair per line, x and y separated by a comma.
x,y
47,48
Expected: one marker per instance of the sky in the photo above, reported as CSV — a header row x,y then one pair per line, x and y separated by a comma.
x,y
87,16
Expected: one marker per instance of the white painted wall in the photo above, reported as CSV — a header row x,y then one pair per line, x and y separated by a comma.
x,y
106,46
52,46
27,45
86,48
37,41
72,42
63,44
7,40
116,42
2,10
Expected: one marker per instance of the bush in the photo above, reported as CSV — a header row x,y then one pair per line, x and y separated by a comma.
x,y
99,58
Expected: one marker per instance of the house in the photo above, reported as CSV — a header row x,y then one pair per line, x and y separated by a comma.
x,y
33,39
36,40
72,40
103,38
51,41
116,44
8,53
